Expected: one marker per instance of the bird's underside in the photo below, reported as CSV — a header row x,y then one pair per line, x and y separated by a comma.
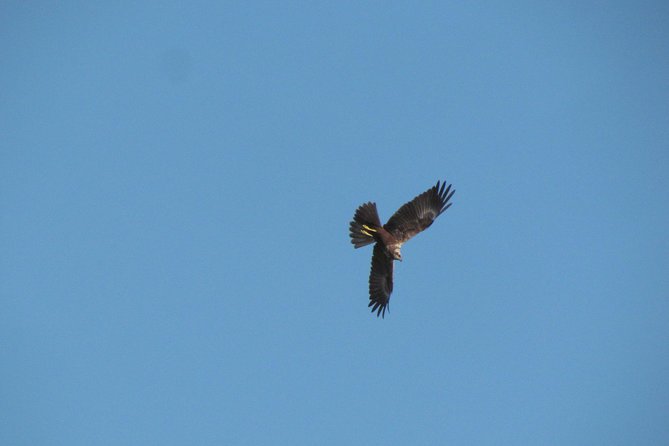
x,y
410,219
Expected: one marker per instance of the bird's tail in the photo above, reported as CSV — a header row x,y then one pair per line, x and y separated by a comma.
x,y
365,224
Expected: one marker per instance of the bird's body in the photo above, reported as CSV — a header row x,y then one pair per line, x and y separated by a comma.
x,y
412,218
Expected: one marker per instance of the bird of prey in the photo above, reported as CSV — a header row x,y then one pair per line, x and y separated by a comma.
x,y
412,218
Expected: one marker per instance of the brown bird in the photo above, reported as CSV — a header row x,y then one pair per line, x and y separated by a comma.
x,y
412,218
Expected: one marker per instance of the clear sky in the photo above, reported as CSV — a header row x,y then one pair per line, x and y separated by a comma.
x,y
176,185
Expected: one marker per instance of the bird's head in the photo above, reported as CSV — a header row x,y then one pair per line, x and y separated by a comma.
x,y
397,255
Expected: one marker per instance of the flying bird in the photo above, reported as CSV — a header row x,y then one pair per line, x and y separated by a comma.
x,y
413,217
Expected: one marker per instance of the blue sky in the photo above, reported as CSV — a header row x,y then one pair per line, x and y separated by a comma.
x,y
177,182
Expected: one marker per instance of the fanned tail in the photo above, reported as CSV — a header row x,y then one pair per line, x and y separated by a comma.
x,y
364,225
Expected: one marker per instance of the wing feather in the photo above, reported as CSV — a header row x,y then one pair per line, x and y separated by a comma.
x,y
380,281
419,213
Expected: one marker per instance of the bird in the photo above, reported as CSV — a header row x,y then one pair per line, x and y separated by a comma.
x,y
413,217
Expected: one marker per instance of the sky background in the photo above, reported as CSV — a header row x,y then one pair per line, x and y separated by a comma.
x,y
176,185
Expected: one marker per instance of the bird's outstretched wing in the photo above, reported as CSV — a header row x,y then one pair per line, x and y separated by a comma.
x,y
418,214
380,281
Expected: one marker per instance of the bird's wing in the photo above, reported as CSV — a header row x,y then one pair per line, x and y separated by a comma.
x,y
418,214
380,281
